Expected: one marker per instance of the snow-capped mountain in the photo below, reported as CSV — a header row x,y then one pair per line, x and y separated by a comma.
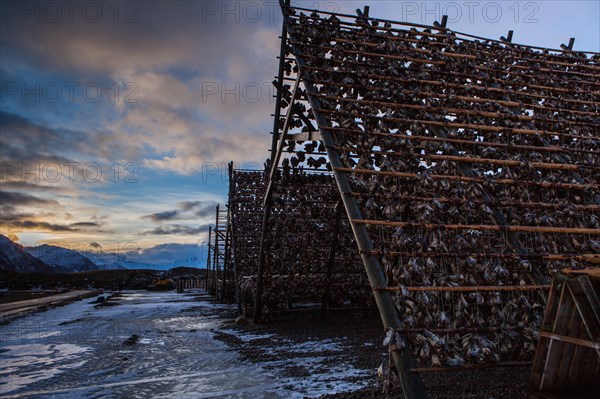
x,y
14,258
109,260
53,259
62,259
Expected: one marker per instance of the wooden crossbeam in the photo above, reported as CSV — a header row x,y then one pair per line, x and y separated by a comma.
x,y
482,288
485,227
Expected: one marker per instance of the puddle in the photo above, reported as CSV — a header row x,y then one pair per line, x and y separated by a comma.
x,y
76,351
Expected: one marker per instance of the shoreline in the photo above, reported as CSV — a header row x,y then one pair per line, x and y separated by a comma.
x,y
12,310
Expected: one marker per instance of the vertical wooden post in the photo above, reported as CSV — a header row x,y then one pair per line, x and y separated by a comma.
x,y
233,256
261,263
229,237
226,256
216,255
331,260
444,21
209,253
275,138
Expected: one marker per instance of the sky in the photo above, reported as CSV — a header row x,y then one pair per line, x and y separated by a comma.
x,y
118,118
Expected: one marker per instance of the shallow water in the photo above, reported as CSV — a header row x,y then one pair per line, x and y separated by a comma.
x,y
77,351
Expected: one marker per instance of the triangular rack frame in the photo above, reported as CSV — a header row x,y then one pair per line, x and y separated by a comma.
x,y
483,155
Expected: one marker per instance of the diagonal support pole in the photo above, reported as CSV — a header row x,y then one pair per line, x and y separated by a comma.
x,y
412,384
275,157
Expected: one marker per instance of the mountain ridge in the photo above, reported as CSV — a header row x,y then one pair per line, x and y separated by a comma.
x,y
62,259
15,258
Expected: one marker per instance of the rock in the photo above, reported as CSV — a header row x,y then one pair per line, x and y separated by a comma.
x,y
241,320
100,299
131,340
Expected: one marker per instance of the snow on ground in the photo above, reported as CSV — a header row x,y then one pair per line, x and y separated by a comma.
x,y
77,351
338,377
323,376
246,337
333,345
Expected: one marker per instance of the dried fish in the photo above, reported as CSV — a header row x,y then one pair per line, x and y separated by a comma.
x,y
444,149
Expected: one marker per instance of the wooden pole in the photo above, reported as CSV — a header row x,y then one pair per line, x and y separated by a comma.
x,y
460,331
451,85
572,186
233,222
486,288
529,229
331,260
268,201
208,263
412,385
216,255
470,367
516,204
226,258
489,161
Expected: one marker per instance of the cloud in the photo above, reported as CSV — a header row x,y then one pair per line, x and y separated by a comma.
x,y
169,253
195,136
171,54
162,216
34,225
12,236
11,218
206,210
28,224
159,36
39,157
176,229
171,248
19,199
8,214
24,140
202,208
188,205
166,254
28,186
85,224
14,221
